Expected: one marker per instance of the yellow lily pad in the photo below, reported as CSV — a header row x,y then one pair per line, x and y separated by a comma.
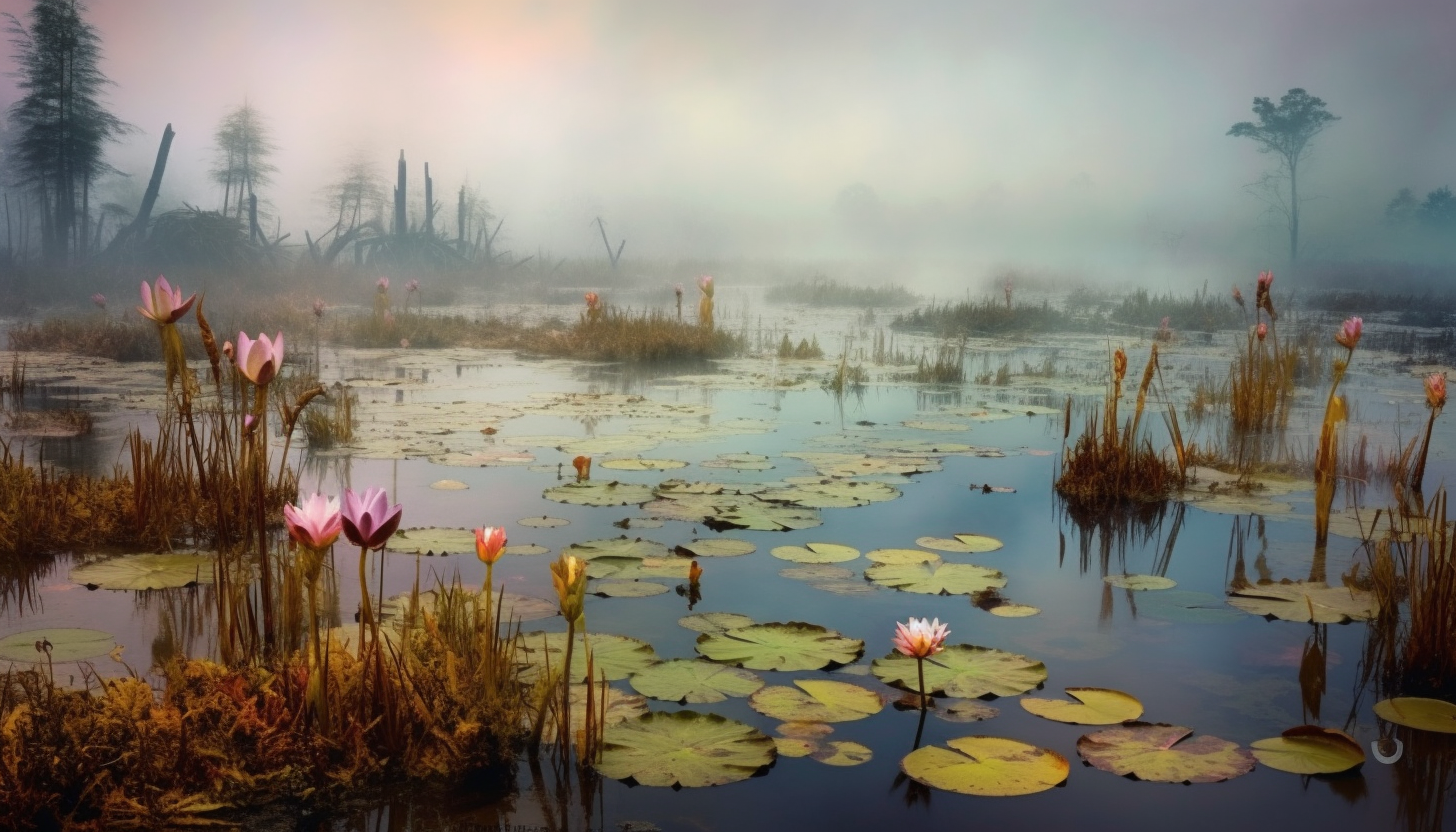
x,y
1310,749
1094,706
816,553
818,700
717,547
986,767
1140,582
684,748
961,543
1419,713
842,753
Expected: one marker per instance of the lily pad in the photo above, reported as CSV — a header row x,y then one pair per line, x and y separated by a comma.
x,y
961,543
1163,753
1014,610
640,464
817,572
842,753
627,589
717,547
1140,582
805,730
1094,706
791,646
936,578
1310,749
794,746
599,493
68,644
901,556
1305,601
816,553
633,569
449,485
638,523
714,622
1419,713
616,656
433,541
543,522
1189,607
525,549
617,547
817,700
752,513
924,424
965,671
684,748
693,681
622,443
966,710
832,494
148,571
621,706
738,462
986,767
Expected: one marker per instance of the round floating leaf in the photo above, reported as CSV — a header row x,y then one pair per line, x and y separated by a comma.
x,y
842,753
599,493
149,571
632,569
966,710
616,656
543,522
1095,706
832,494
1419,713
621,706
693,681
433,541
638,523
794,747
1140,582
749,512
961,543
622,443
965,671
1189,607
922,424
640,464
525,549
717,547
902,556
684,748
817,572
791,646
936,578
805,730
1162,752
627,589
449,485
817,700
845,587
1310,749
1014,610
987,767
816,553
738,462
68,644
714,622
618,547
1306,602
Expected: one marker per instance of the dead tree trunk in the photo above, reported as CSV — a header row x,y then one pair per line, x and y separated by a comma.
x,y
429,202
460,222
401,220
144,214
611,255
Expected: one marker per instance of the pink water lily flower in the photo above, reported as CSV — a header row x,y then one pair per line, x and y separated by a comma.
x,y
99,299
411,286
383,284
315,522
369,521
1436,390
921,637
1262,331
705,283
489,543
1349,334
164,304
259,360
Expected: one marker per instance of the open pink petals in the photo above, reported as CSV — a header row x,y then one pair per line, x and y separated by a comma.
x,y
315,522
921,637
162,303
489,542
369,520
259,359
1349,334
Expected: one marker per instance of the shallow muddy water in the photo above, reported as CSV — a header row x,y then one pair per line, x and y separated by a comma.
x,y
1216,670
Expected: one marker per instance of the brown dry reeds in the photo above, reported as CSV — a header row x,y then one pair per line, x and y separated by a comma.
x,y
1261,384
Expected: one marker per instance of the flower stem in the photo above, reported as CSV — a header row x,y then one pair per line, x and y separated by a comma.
x,y
920,666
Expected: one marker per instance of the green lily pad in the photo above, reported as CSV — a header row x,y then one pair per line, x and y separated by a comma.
x,y
816,553
961,543
684,748
627,589
936,578
924,424
986,767
1094,706
543,522
616,656
738,462
832,494
817,572
901,556
617,547
148,571
966,710
1140,582
1009,610
714,622
1419,713
757,515
794,746
433,541
817,700
1310,749
693,681
1189,607
599,493
634,569
791,646
639,523
640,464
965,671
1305,601
717,547
525,549
621,706
449,485
68,644
842,753
1163,753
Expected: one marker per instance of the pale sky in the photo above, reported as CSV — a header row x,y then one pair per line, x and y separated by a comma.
x,y
720,128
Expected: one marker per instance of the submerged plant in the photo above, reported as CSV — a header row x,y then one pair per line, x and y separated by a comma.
x,y
920,638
